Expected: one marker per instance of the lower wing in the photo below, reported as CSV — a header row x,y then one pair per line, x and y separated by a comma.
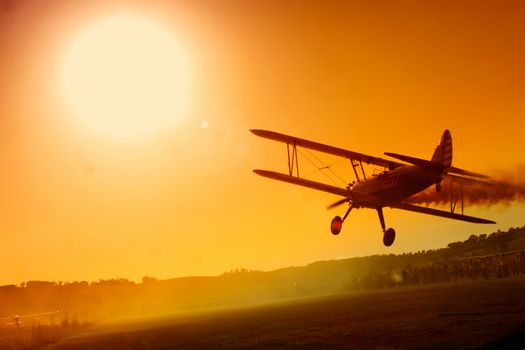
x,y
357,197
442,213
366,200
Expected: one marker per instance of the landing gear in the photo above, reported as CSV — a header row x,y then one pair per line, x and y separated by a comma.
x,y
388,235
438,187
337,223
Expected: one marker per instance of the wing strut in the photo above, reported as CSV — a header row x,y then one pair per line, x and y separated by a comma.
x,y
358,164
454,198
381,218
293,159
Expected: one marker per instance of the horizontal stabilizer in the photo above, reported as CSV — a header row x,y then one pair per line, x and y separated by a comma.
x,y
353,195
458,171
437,212
416,161
429,164
467,181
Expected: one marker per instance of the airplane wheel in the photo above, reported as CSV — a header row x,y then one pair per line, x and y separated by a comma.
x,y
336,225
438,187
389,236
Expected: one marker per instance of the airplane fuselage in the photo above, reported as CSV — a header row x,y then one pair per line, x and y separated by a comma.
x,y
398,184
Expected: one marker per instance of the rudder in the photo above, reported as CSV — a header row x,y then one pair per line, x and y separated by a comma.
x,y
443,153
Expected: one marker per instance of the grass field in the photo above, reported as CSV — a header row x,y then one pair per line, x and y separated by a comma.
x,y
486,314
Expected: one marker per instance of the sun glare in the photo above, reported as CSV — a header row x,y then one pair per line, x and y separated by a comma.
x,y
126,77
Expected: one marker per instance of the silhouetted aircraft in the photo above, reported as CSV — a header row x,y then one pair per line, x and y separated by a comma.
x,y
391,188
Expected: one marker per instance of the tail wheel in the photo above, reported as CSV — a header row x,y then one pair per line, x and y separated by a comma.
x,y
389,237
336,225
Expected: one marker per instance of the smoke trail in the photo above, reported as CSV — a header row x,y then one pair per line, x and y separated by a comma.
x,y
504,188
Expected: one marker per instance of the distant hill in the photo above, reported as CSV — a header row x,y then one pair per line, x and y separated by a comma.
x,y
337,270
119,298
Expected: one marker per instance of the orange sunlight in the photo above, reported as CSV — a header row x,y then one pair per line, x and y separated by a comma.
x,y
126,77
124,128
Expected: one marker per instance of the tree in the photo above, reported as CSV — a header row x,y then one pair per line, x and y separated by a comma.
x,y
148,280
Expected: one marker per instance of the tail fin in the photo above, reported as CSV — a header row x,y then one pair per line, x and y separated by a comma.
x,y
443,153
441,159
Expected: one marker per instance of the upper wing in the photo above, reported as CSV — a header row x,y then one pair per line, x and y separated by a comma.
x,y
436,212
327,149
355,196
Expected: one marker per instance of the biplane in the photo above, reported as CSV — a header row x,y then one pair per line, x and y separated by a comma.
x,y
391,188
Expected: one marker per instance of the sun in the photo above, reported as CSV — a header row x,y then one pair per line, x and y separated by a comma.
x,y
126,77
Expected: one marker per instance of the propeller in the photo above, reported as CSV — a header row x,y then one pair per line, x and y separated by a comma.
x,y
338,203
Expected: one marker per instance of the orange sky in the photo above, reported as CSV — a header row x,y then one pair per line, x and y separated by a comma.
x,y
367,76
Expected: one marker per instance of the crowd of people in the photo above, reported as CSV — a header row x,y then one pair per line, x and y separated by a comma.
x,y
502,265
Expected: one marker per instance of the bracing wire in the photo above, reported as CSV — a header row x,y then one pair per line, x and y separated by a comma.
x,y
322,167
329,167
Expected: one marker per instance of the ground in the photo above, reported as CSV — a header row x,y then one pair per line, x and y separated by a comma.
x,y
473,314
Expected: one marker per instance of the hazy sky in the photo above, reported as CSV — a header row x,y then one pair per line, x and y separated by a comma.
x,y
370,76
